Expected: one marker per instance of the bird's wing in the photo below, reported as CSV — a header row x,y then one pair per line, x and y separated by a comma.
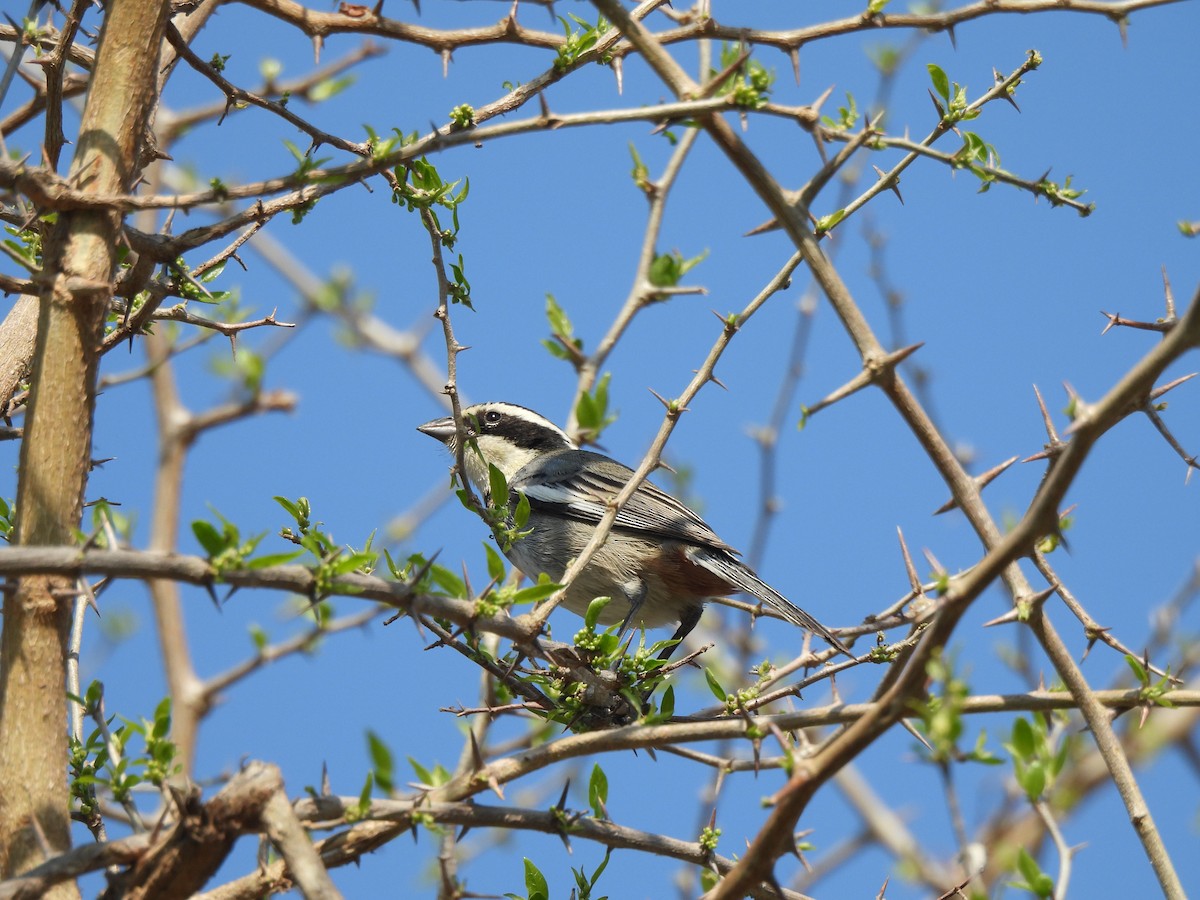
x,y
580,484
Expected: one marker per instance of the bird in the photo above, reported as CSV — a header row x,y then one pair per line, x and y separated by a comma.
x,y
661,561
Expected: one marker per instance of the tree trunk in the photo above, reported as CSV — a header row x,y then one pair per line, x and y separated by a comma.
x,y
79,266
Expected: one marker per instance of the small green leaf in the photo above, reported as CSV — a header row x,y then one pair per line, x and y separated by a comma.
x,y
208,536
666,706
592,616
714,685
521,513
598,792
448,581
273,559
536,592
1022,738
1033,780
535,882
1139,671
941,83
826,223
330,87
498,485
423,775
381,759
259,637
495,563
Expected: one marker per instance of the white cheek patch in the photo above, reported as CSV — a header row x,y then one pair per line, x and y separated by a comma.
x,y
500,453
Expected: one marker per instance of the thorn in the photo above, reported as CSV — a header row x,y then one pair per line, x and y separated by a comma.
x,y
1010,616
914,582
794,56
894,187
1047,421
619,73
667,404
953,40
1158,392
318,43
467,579
912,729
561,806
475,754
933,561
1113,319
981,481
447,55
820,101
936,105
1169,295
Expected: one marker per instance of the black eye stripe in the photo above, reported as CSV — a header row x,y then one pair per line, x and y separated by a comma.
x,y
523,433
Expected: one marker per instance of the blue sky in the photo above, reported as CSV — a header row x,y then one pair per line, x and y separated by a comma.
x,y
1004,292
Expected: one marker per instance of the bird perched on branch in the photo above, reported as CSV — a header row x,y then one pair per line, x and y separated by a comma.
x,y
660,563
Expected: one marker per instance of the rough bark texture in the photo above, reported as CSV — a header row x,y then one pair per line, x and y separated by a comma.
x,y
18,335
79,263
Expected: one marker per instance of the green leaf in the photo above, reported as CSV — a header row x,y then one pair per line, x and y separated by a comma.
x,y
495,563
941,83
666,707
1139,671
535,882
592,616
1060,759
521,513
330,87
1022,738
1033,780
364,801
559,322
448,581
598,792
714,685
423,774
259,637
208,536
162,718
381,759
1036,881
498,485
292,508
536,592
273,559
826,223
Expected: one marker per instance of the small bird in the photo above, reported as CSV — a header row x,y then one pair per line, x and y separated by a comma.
x,y
661,561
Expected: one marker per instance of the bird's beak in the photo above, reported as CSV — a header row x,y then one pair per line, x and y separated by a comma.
x,y
440,429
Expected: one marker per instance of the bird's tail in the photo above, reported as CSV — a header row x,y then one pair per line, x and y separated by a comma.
x,y
742,577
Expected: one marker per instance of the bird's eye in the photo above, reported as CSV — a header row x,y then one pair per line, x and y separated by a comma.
x,y
491,417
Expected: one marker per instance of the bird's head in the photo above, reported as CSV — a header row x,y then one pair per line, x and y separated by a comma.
x,y
503,434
